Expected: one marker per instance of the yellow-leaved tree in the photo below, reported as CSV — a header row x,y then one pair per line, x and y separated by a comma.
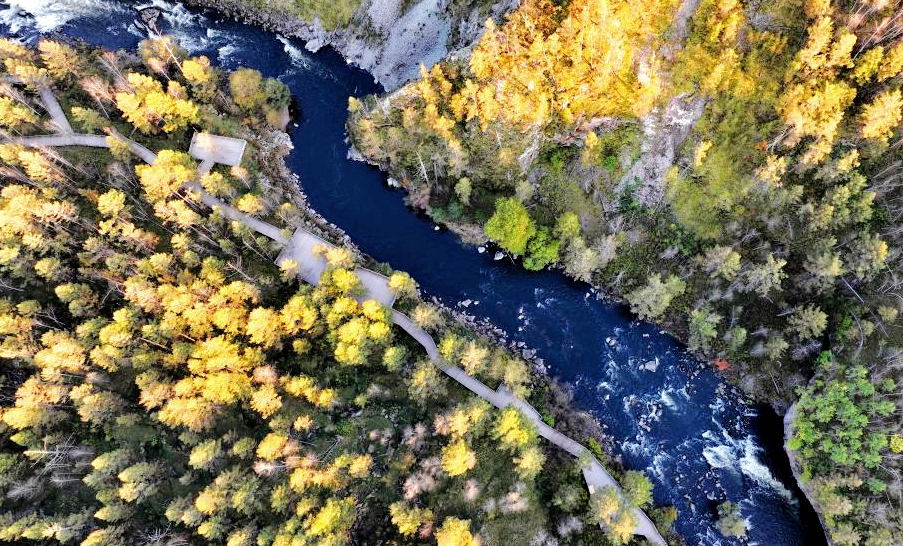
x,y
151,109
600,61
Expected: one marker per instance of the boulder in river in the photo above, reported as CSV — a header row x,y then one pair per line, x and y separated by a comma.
x,y
147,17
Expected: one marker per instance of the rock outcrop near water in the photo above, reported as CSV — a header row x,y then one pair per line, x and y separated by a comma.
x,y
795,468
388,38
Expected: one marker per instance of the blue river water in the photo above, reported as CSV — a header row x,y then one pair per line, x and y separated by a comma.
x,y
693,434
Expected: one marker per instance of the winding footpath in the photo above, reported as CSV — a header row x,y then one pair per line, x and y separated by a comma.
x,y
300,248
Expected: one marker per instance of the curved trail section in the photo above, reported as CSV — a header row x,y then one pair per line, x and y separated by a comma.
x,y
299,247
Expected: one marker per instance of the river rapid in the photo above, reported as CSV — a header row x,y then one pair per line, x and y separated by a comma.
x,y
670,415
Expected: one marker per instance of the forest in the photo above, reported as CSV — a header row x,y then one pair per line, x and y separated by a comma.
x,y
731,170
163,382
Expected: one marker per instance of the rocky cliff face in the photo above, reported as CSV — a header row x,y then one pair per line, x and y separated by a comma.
x,y
388,38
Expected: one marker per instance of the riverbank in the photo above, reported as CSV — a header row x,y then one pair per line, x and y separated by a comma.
x,y
596,292
472,235
789,416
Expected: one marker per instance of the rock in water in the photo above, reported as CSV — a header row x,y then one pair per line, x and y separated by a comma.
x,y
147,17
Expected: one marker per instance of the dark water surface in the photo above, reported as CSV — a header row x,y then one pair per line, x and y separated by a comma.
x,y
694,436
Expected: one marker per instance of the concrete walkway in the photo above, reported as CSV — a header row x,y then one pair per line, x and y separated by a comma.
x,y
300,248
51,105
233,213
312,266
80,139
55,110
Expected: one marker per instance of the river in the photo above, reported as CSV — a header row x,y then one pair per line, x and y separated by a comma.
x,y
693,434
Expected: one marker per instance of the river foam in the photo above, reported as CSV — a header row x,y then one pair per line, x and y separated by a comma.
x,y
741,455
49,15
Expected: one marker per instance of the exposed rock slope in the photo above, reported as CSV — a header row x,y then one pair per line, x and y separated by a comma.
x,y
388,38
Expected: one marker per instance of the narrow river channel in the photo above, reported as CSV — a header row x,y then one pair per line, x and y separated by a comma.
x,y
669,414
